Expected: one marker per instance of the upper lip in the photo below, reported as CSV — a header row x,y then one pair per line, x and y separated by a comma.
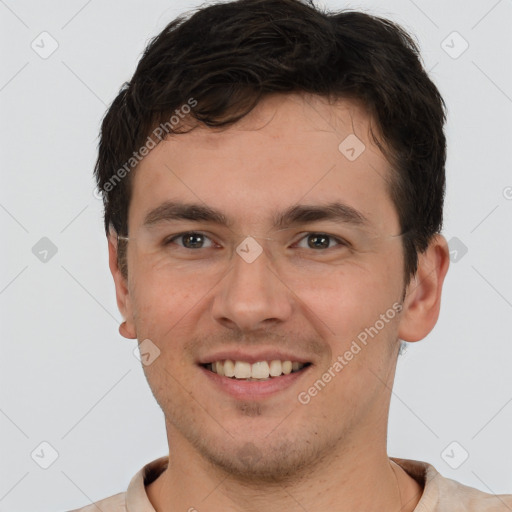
x,y
252,357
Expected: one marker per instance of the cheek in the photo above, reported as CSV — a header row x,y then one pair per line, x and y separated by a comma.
x,y
156,280
360,312
159,299
356,296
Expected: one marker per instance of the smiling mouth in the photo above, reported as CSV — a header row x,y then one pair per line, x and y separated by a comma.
x,y
259,371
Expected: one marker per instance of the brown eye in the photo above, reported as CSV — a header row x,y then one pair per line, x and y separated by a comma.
x,y
193,241
190,240
318,241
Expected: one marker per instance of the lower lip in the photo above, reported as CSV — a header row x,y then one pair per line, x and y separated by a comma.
x,y
254,390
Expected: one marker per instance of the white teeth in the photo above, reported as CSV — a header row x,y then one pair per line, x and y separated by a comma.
x,y
242,370
276,368
261,370
287,367
229,368
219,368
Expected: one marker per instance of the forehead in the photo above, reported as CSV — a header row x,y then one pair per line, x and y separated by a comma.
x,y
291,149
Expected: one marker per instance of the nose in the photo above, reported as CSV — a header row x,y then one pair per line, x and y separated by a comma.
x,y
252,296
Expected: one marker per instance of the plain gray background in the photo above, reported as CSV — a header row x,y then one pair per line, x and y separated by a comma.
x,y
69,379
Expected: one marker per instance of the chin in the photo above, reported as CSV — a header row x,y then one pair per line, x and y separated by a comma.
x,y
259,460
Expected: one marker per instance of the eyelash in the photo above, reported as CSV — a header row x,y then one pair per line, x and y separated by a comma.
x,y
336,239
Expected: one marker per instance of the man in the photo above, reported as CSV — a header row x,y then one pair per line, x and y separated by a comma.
x,y
273,182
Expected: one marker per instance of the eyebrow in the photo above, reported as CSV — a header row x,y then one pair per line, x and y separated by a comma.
x,y
304,214
294,215
171,210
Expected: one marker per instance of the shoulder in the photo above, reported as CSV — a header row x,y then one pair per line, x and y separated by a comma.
x,y
115,503
441,494
135,497
456,496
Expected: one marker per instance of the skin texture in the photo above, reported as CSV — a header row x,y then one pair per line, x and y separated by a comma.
x,y
276,453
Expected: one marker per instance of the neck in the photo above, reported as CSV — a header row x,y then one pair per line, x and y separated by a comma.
x,y
362,479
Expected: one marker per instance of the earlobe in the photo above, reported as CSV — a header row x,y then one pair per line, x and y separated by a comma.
x,y
127,331
423,296
127,328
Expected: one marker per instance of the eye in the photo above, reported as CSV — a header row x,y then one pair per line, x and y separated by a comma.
x,y
319,241
190,240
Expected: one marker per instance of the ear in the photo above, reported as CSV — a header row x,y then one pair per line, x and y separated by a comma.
x,y
127,328
423,293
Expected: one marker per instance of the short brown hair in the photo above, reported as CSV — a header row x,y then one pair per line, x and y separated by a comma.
x,y
228,56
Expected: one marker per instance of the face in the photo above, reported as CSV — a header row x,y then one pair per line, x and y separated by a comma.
x,y
263,243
